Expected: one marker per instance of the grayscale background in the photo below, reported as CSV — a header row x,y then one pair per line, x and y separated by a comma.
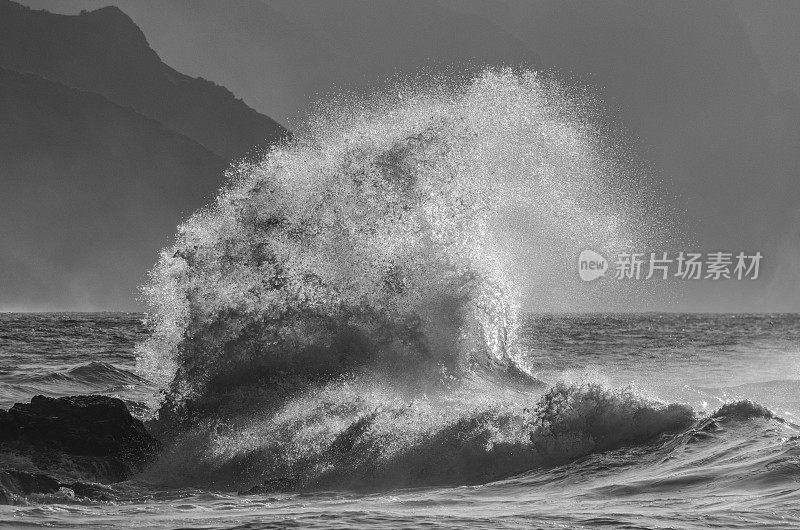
x,y
707,92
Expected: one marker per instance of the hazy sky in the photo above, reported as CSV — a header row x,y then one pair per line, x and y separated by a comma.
x,y
707,89
233,42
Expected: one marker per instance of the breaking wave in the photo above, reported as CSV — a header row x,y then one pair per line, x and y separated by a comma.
x,y
359,436
344,314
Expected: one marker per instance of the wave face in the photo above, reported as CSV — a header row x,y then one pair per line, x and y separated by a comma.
x,y
354,293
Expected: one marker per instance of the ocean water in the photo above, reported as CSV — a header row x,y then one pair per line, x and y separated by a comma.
x,y
337,340
740,470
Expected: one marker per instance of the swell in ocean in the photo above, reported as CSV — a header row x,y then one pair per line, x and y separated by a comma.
x,y
345,314
585,449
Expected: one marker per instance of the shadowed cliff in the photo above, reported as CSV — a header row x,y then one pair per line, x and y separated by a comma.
x,y
103,51
91,191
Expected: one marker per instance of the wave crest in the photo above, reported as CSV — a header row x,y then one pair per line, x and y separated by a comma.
x,y
378,249
745,410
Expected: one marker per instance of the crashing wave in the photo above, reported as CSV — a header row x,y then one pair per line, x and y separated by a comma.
x,y
376,253
351,435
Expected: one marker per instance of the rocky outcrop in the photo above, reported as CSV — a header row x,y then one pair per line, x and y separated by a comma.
x,y
70,442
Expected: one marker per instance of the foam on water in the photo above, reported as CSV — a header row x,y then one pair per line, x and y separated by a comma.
x,y
348,305
350,434
581,453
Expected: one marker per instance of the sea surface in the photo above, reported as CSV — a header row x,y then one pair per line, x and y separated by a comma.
x,y
737,468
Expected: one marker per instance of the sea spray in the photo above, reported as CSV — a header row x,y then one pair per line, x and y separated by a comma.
x,y
370,261
362,435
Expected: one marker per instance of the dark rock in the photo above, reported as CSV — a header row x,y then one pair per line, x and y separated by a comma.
x,y
84,425
72,440
9,430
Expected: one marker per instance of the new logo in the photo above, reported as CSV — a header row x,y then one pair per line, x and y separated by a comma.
x,y
591,265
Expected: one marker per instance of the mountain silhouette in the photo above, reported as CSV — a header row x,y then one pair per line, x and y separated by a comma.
x,y
91,190
103,51
683,80
283,57
104,149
